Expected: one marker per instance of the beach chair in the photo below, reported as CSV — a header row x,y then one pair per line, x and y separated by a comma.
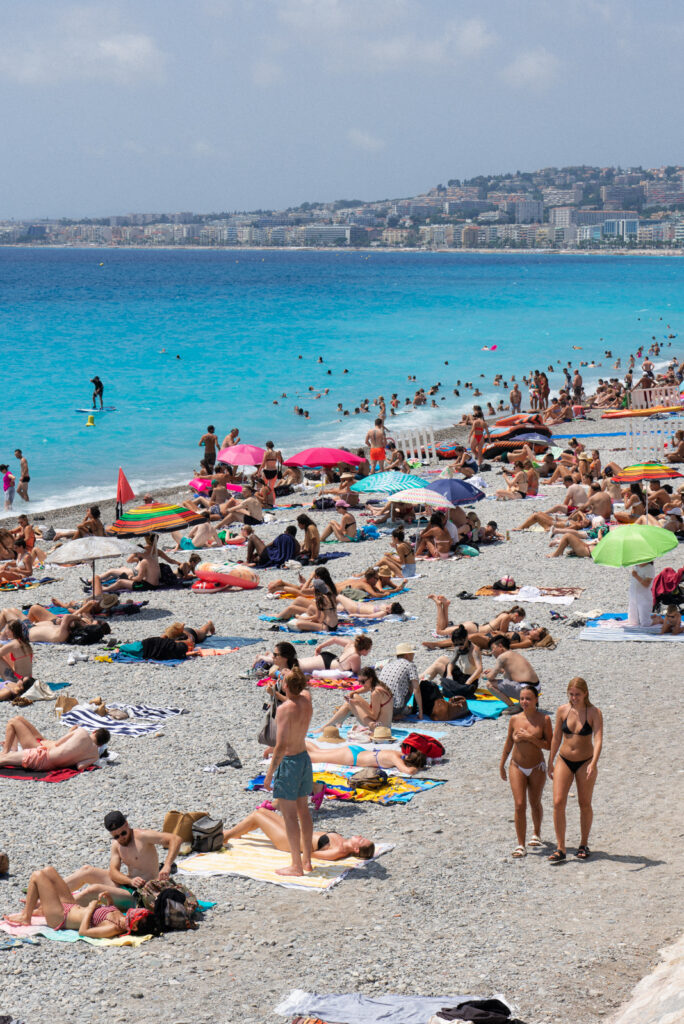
x,y
417,444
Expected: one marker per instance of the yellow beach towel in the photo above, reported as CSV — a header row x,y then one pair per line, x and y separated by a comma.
x,y
253,856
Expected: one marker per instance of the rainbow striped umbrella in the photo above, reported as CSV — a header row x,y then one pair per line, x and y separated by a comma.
x,y
154,519
646,471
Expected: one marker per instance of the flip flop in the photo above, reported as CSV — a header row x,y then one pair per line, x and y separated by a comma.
x,y
519,851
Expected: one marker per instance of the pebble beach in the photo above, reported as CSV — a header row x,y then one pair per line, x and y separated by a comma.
x,y
447,911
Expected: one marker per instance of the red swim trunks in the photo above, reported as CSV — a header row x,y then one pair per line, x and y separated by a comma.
x,y
377,454
36,759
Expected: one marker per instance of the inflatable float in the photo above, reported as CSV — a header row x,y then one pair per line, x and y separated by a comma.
x,y
621,414
217,576
203,484
521,417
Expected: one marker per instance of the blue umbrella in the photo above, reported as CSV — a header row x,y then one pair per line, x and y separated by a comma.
x,y
459,492
386,483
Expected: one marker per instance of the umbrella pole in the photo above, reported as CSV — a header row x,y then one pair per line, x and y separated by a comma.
x,y
93,582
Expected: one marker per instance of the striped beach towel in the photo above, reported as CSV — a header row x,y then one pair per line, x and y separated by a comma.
x,y
150,718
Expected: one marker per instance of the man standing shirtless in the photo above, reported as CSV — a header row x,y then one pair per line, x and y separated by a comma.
x,y
376,439
209,442
290,771
136,849
22,489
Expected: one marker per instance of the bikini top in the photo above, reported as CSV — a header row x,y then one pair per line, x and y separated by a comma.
x,y
586,729
323,841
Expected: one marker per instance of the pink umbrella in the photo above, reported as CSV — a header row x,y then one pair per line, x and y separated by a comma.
x,y
313,457
241,455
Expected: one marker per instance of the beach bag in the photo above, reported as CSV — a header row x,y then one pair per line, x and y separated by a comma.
x,y
427,745
449,710
180,824
429,693
323,503
505,583
267,733
207,835
368,778
174,906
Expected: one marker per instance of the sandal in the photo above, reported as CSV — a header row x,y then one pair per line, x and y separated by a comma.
x,y
557,857
535,842
583,853
519,851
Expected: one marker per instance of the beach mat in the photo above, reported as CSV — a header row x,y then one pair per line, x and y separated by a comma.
x,y
53,775
398,790
354,1008
612,628
347,685
143,720
253,856
66,935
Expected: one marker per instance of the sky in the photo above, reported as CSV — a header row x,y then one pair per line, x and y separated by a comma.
x,y
214,105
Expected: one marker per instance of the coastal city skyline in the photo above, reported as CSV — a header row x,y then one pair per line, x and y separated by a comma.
x,y
554,208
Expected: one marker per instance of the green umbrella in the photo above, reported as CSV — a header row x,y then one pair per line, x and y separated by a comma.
x,y
633,545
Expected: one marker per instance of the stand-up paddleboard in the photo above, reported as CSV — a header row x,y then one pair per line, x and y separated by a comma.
x,y
107,408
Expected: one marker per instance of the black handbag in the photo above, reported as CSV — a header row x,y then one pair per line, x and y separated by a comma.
x,y
207,835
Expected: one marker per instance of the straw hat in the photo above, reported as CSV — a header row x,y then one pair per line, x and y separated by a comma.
x,y
404,649
331,734
108,601
381,734
385,573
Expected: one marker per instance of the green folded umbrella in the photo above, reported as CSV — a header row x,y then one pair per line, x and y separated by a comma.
x,y
633,545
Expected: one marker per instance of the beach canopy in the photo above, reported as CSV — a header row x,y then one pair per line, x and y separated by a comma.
x,y
314,457
242,455
386,483
89,549
422,496
459,492
154,519
646,471
633,545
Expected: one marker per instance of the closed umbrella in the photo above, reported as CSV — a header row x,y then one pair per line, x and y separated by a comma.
x,y
534,439
89,549
154,519
124,492
315,457
633,545
242,455
386,483
422,496
459,492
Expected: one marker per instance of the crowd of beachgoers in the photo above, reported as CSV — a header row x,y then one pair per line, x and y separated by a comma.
x,y
375,662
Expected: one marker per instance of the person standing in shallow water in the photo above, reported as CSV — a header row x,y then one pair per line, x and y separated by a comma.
x,y
24,477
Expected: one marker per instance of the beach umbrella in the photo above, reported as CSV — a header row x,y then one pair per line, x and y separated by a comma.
x,y
422,496
386,483
124,492
315,457
89,549
459,492
534,439
242,455
154,519
633,545
646,471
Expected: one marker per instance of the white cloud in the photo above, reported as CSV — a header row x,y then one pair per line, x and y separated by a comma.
x,y
364,140
203,150
472,37
458,39
266,72
80,44
534,68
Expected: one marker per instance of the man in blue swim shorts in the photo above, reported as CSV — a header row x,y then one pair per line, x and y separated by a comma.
x,y
290,773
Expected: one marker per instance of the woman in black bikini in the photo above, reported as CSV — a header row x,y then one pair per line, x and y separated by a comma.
x,y
577,739
326,845
349,659
529,734
377,711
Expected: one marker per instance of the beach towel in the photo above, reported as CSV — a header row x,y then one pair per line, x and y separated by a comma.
x,y
29,583
546,591
279,551
53,775
151,717
540,595
324,684
398,789
344,628
39,926
253,856
354,1008
611,627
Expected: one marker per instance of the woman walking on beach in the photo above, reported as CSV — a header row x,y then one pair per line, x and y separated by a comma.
x,y
528,735
577,739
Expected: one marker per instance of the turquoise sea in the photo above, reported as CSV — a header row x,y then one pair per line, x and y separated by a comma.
x,y
239,321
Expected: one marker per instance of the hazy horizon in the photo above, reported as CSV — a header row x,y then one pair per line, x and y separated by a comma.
x,y
245,104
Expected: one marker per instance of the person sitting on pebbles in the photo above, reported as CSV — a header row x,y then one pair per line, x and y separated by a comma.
x,y
515,670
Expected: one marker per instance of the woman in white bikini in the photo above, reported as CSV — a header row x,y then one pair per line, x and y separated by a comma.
x,y
528,735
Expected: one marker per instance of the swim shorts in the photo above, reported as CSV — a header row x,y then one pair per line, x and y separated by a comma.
x,y
293,777
511,688
36,759
408,570
377,454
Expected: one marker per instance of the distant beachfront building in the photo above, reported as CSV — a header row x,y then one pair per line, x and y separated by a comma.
x,y
563,196
525,211
621,228
470,236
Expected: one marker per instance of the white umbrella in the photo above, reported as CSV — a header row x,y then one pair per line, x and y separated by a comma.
x,y
421,496
90,549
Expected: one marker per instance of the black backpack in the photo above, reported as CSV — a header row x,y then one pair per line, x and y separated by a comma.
x,y
84,636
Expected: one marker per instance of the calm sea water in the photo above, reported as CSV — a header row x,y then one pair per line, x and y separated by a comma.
x,y
239,321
